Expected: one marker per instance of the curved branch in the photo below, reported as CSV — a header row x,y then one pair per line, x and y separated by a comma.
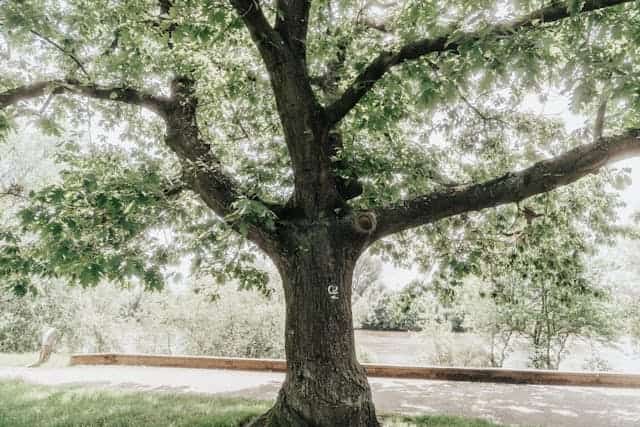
x,y
202,170
512,187
127,95
381,65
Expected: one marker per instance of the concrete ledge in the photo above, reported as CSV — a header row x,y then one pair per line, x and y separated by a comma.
x,y
194,362
492,375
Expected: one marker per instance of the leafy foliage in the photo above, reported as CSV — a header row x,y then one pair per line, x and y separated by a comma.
x,y
431,124
404,310
453,118
115,216
106,318
536,280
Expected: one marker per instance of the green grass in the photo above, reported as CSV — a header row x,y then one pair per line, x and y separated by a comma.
x,y
436,421
57,360
26,405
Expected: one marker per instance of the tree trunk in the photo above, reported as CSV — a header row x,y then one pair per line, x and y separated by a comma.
x,y
325,385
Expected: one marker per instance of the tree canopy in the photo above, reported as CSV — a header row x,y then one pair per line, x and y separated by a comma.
x,y
426,95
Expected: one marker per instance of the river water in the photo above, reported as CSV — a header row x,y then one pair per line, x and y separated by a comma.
x,y
415,348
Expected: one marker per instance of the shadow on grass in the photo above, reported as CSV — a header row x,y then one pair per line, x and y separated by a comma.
x,y
27,405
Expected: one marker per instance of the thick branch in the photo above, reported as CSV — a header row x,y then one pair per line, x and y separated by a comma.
x,y
125,95
267,40
301,116
202,171
380,66
513,187
292,23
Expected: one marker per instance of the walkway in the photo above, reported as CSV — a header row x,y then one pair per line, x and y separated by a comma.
x,y
523,405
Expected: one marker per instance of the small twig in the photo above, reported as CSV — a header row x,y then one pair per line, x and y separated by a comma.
x,y
598,126
466,100
46,104
63,50
530,215
175,189
476,110
238,122
114,43
14,190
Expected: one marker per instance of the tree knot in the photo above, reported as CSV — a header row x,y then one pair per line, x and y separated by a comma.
x,y
365,222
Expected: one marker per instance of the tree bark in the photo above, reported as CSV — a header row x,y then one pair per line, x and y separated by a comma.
x,y
325,385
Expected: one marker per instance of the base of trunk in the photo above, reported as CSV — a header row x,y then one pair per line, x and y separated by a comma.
x,y
283,415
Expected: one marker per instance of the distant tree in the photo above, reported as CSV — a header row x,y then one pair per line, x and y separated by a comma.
x,y
498,324
366,276
309,130
620,272
404,310
537,282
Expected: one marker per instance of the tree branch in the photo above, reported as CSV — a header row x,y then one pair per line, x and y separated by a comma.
x,y
292,22
125,95
13,190
268,41
370,23
328,81
165,6
381,65
301,116
64,51
165,9
512,187
202,170
598,127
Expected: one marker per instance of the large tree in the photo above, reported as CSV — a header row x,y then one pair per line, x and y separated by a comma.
x,y
362,121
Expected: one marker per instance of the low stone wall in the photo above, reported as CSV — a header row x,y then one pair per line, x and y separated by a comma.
x,y
511,376
195,362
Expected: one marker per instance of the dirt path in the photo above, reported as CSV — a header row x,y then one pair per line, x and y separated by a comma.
x,y
524,405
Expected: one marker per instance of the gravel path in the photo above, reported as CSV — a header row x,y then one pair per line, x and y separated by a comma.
x,y
522,405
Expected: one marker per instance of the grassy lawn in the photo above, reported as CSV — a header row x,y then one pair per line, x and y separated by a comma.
x,y
26,405
57,360
436,421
